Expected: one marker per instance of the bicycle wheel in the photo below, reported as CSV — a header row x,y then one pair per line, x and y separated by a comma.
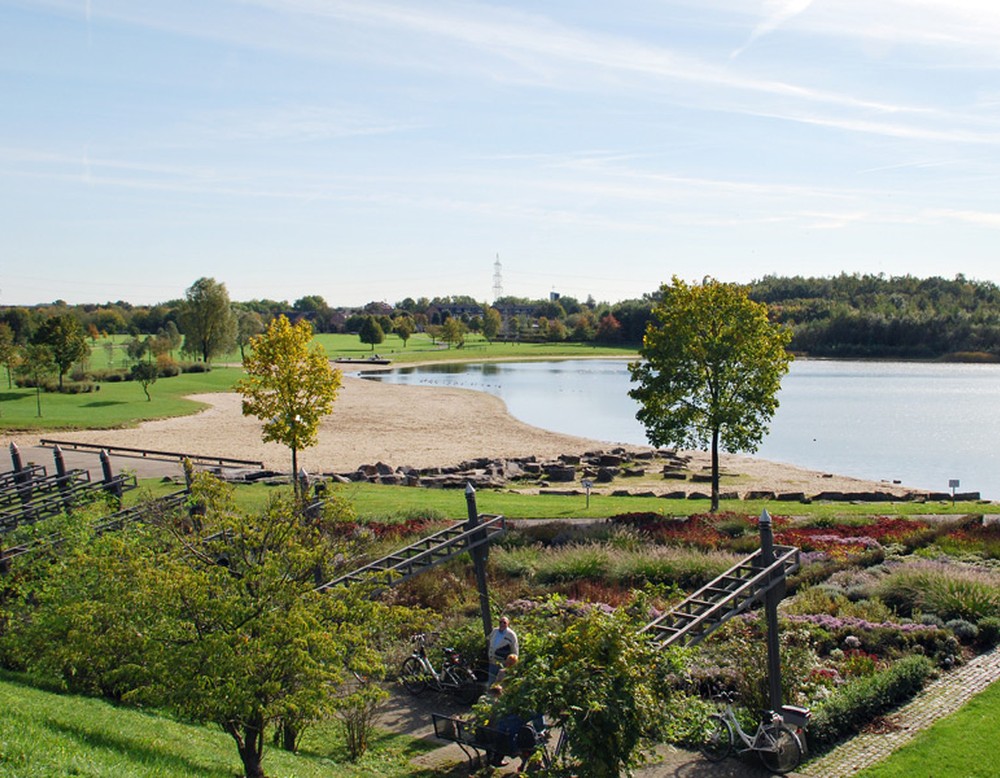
x,y
717,740
462,683
781,751
413,676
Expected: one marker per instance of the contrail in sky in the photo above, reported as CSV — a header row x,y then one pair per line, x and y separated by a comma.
x,y
780,12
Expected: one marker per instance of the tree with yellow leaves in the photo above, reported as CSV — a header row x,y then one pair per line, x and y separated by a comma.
x,y
290,385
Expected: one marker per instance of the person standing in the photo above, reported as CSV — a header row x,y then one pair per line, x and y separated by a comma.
x,y
502,642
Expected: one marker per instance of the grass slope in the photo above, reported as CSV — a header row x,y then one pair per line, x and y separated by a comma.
x,y
47,735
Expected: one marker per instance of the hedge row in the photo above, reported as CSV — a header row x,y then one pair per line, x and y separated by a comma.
x,y
860,701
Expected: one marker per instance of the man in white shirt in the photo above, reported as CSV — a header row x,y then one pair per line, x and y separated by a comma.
x,y
502,642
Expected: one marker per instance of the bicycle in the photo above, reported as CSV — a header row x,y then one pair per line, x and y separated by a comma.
x,y
777,745
417,673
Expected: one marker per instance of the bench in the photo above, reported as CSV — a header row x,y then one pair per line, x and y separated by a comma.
x,y
477,741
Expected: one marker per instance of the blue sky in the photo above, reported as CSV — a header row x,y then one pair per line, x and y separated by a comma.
x,y
369,150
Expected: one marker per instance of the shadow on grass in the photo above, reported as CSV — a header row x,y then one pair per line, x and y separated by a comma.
x,y
103,403
136,752
11,396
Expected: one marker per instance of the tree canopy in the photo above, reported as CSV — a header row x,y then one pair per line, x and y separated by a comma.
x,y
206,319
711,367
371,331
216,620
602,682
290,385
66,340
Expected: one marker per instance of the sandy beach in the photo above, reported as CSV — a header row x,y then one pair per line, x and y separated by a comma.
x,y
415,426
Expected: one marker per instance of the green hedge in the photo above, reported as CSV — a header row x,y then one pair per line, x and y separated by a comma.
x,y
861,700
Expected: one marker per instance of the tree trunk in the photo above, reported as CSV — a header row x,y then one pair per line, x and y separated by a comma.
x,y
250,744
289,734
715,471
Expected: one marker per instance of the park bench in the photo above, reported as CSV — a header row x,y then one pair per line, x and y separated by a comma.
x,y
477,741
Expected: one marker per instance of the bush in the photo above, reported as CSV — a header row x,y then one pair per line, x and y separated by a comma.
x,y
861,700
989,632
196,367
166,366
81,387
109,376
964,630
950,591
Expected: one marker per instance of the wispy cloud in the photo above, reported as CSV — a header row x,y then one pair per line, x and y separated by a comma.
x,y
777,13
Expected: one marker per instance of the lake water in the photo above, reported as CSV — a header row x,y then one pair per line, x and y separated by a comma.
x,y
921,424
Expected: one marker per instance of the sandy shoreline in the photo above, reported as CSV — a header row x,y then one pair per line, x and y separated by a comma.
x,y
417,426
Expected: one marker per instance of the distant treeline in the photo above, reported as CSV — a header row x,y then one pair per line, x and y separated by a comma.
x,y
878,317
848,316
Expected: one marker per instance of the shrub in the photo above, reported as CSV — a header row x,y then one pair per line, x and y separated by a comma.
x,y
989,632
195,367
572,563
964,630
687,568
77,387
516,562
948,590
109,376
166,366
861,700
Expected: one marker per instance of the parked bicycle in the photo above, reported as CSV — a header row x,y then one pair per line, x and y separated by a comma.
x,y
777,744
417,673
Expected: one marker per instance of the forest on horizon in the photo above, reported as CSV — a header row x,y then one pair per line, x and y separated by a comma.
x,y
846,316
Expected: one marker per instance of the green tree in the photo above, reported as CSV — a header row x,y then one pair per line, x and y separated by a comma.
x,y
36,364
290,385
67,342
404,327
371,331
249,325
8,351
600,680
492,323
145,373
711,370
206,319
217,622
453,332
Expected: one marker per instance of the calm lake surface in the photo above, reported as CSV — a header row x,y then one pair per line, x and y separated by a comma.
x,y
921,424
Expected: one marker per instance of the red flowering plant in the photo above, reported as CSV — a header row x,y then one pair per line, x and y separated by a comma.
x,y
706,531
972,538
843,541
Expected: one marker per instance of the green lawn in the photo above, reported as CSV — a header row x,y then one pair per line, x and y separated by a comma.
x,y
374,500
116,404
420,348
962,745
46,735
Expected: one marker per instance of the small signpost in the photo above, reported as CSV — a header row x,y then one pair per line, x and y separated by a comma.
x,y
953,484
588,485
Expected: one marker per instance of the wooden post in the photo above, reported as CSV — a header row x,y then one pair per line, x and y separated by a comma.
x,y
62,479
22,478
112,485
771,600
479,556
